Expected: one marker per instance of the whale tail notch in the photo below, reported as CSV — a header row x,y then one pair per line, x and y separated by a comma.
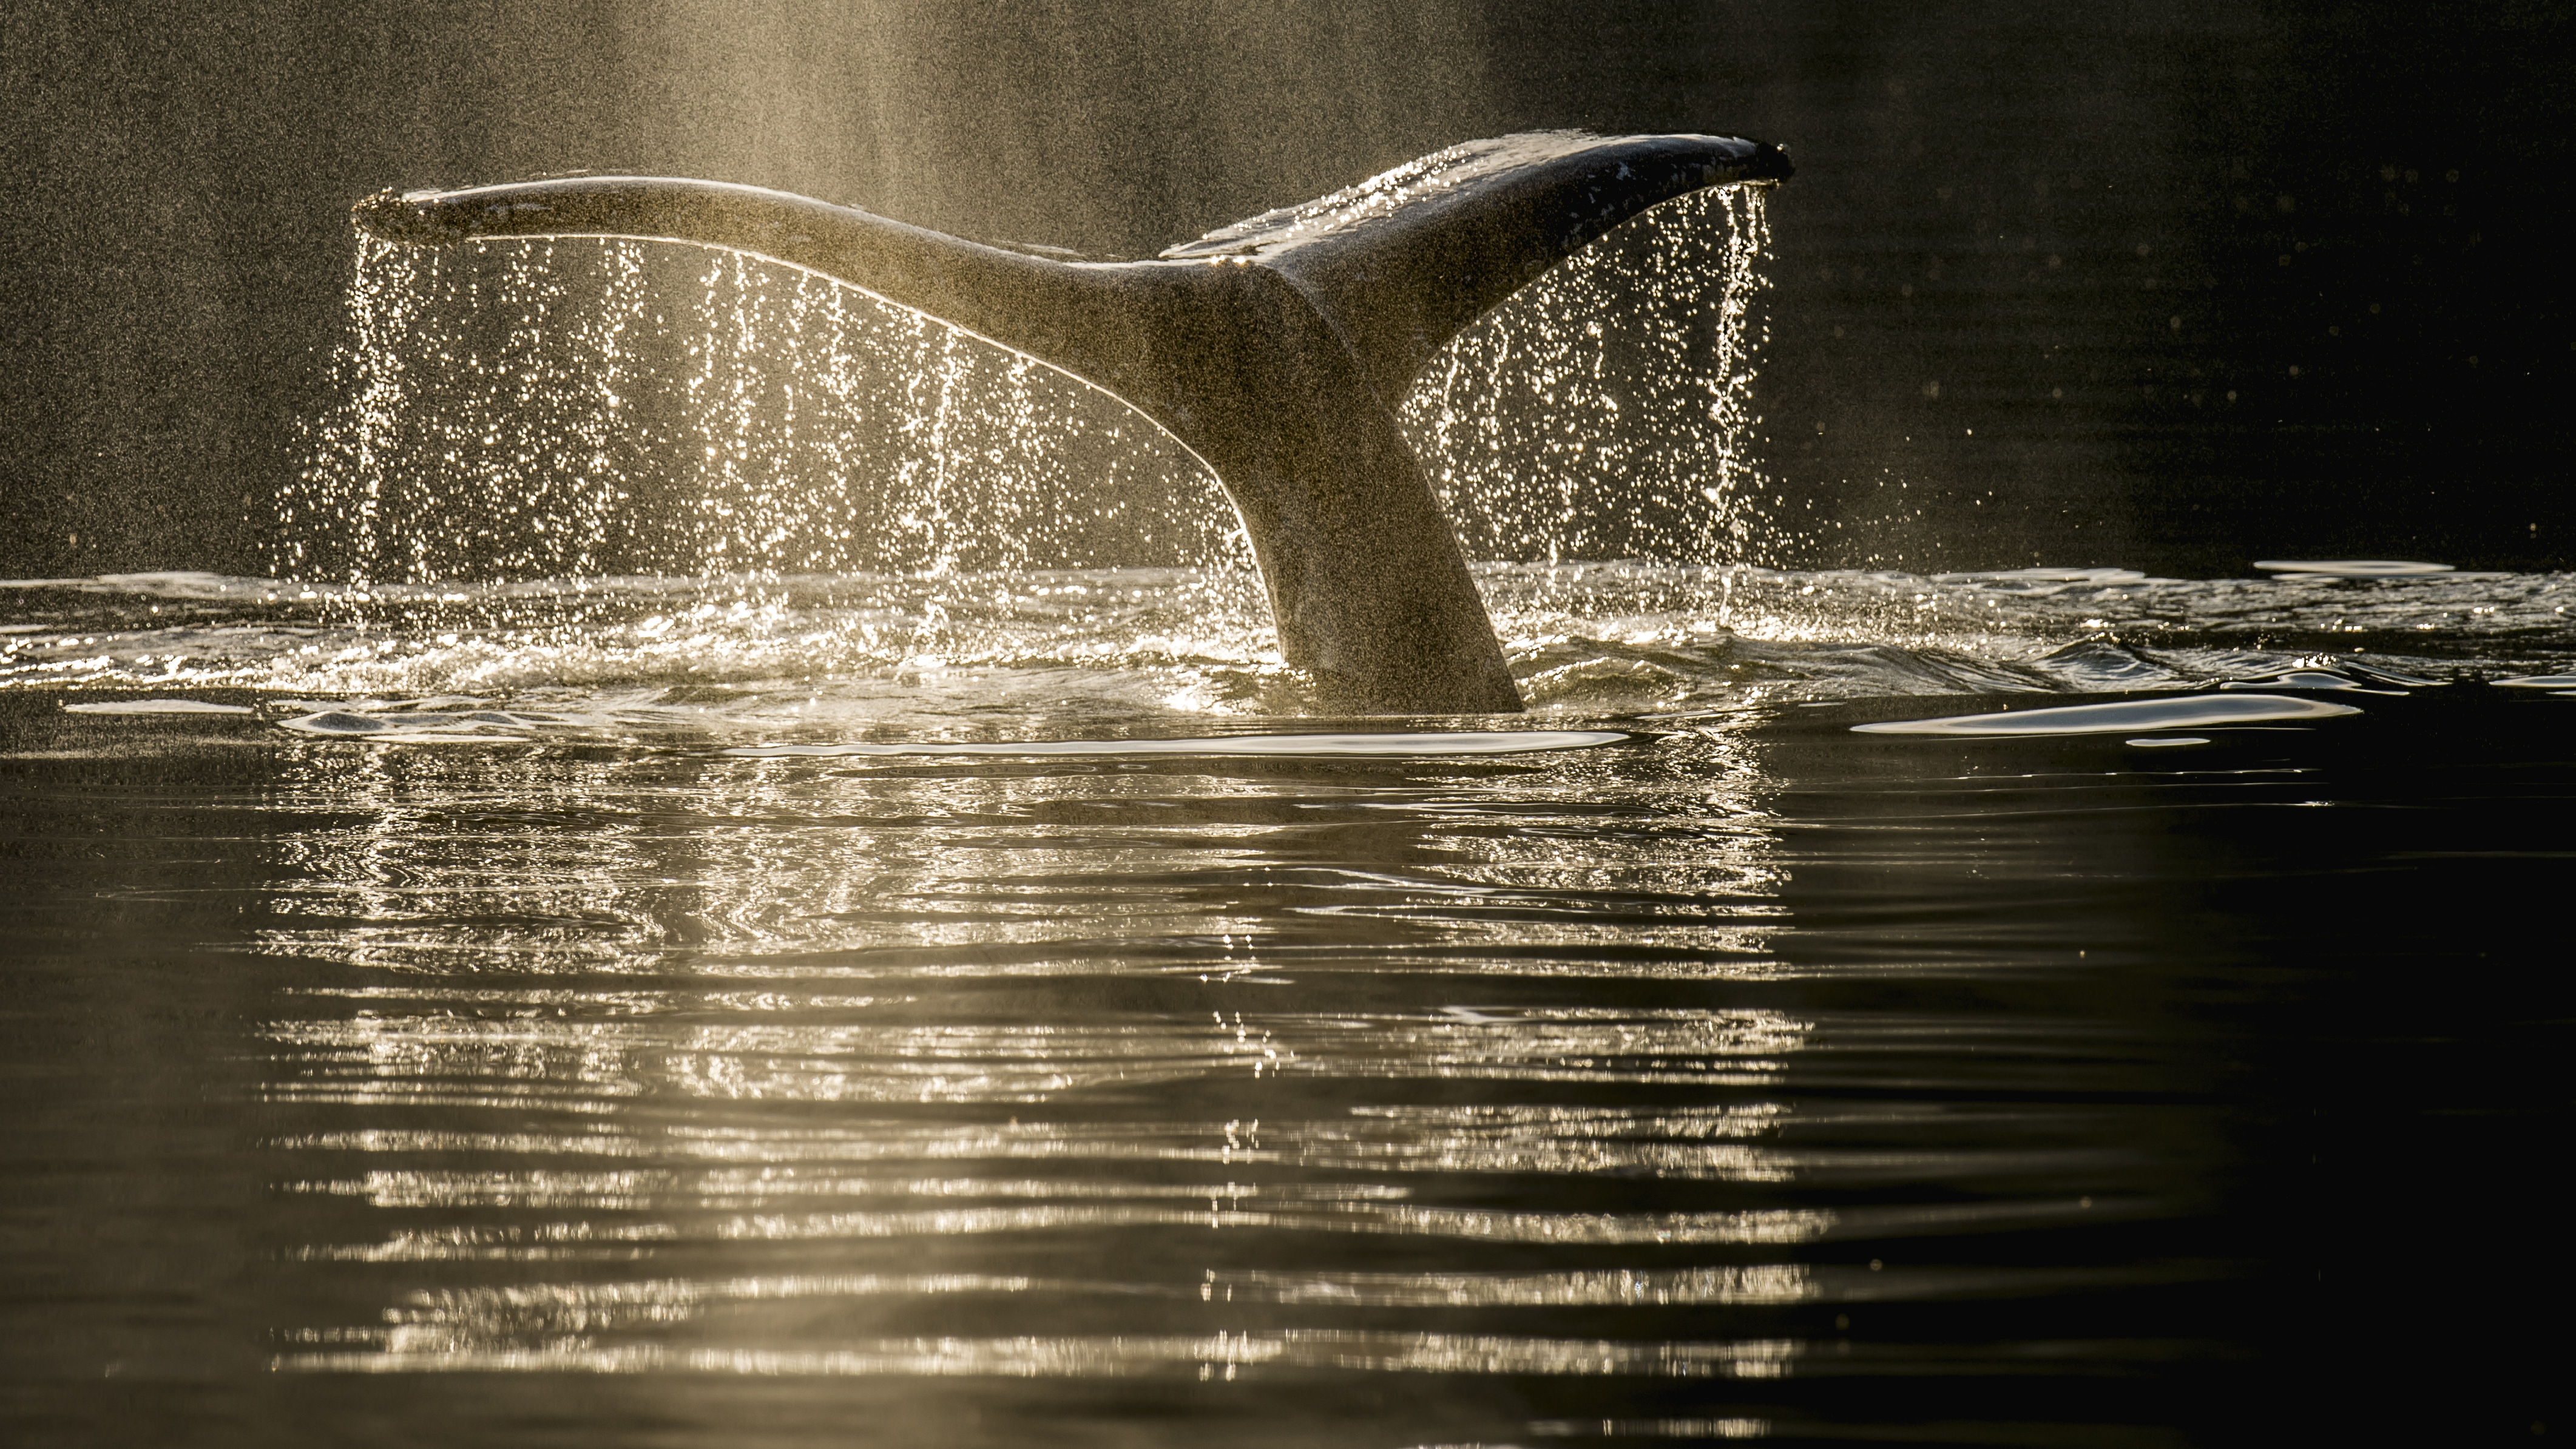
x,y
1275,349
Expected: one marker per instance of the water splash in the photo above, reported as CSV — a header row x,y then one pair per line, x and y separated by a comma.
x,y
486,425
1070,653
569,409
1606,410
573,408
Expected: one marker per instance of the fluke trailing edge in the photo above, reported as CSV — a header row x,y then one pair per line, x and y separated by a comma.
x,y
1275,349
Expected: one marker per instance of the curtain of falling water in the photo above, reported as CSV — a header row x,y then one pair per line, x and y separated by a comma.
x,y
553,409
1606,411
573,408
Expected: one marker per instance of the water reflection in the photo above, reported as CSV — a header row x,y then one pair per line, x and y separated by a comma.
x,y
1096,1065
1729,1061
758,867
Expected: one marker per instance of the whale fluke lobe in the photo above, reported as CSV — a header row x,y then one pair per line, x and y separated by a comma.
x,y
1405,260
1275,349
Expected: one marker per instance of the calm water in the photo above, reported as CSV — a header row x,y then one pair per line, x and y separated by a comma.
x,y
638,1012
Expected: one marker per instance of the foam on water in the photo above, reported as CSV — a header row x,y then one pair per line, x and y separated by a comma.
x,y
825,659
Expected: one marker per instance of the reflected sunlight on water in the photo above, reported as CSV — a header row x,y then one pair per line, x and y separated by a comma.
x,y
762,881
1730,1061
1010,991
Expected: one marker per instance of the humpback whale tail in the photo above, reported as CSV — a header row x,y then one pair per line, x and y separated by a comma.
x,y
1274,349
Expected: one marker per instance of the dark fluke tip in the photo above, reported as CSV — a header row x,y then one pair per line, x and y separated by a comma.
x,y
409,218
1769,163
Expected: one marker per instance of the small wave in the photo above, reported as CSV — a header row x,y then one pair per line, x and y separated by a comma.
x,y
1476,742
156,706
855,654
2120,717
2351,568
489,726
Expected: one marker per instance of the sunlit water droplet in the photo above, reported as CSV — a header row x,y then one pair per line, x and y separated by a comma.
x,y
571,409
1606,410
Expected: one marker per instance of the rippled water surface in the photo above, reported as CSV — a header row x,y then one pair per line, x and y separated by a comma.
x,y
684,1010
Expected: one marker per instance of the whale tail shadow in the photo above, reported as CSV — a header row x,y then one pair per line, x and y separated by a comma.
x,y
1274,349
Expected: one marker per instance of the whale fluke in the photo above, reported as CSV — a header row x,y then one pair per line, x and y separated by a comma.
x,y
1274,349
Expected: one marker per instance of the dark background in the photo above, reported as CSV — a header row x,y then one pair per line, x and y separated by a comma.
x,y
2173,286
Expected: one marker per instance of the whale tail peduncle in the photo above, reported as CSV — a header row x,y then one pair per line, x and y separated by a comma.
x,y
1275,349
